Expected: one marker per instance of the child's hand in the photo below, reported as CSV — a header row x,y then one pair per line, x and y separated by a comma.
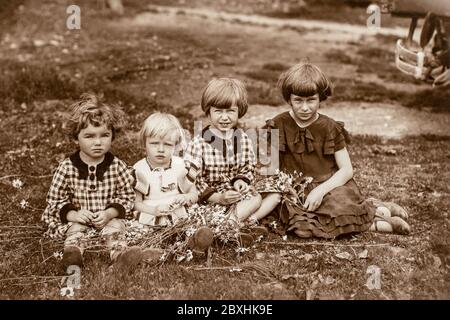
x,y
82,216
178,201
101,218
229,197
313,200
240,186
162,210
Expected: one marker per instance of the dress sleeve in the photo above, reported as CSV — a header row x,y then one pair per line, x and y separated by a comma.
x,y
272,125
336,139
193,159
141,183
59,201
247,163
124,197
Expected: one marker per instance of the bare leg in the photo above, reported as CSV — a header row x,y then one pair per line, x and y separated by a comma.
x,y
74,235
112,231
269,202
245,208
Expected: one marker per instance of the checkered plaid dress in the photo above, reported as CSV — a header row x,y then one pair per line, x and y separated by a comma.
x,y
76,186
215,164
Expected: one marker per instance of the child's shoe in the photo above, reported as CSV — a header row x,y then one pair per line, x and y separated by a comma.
x,y
129,257
258,231
396,210
201,240
245,239
303,233
391,225
72,256
152,255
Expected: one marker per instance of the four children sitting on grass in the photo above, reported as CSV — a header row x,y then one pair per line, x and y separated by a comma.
x,y
94,191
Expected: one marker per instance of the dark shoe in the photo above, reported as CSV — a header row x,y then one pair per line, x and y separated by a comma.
x,y
245,239
152,255
201,240
259,231
129,257
72,257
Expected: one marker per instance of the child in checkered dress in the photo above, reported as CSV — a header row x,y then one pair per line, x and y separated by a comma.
x,y
221,160
92,190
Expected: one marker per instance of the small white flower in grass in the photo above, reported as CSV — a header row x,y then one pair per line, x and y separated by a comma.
x,y
17,183
273,224
259,239
58,255
284,238
190,231
189,255
242,250
24,204
234,269
180,258
67,292
163,257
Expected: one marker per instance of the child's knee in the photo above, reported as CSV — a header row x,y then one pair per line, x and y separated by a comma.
x,y
274,198
256,202
75,228
114,225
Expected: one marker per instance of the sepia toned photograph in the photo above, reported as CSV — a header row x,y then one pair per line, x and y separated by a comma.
x,y
224,150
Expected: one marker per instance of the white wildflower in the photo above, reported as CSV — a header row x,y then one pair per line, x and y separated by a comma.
x,y
17,183
58,255
235,269
189,255
284,238
163,256
24,204
242,250
67,292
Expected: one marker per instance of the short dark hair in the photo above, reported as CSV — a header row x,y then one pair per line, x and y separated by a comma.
x,y
304,79
222,93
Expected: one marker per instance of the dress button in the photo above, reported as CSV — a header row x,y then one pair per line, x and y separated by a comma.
x,y
92,168
92,176
92,187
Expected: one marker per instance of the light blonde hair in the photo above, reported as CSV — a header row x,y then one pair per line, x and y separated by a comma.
x,y
160,125
89,110
223,93
304,79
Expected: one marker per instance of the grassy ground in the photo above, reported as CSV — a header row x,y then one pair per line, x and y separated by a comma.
x,y
164,69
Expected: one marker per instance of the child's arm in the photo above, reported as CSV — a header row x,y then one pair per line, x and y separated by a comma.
x,y
59,203
124,197
193,159
185,199
140,206
246,168
340,177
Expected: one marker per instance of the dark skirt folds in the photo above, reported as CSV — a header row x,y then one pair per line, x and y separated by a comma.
x,y
343,210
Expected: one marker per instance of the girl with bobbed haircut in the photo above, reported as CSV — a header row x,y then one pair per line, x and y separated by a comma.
x,y
316,145
90,110
223,93
304,79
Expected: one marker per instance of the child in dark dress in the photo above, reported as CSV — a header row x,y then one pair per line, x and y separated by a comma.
x,y
315,145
